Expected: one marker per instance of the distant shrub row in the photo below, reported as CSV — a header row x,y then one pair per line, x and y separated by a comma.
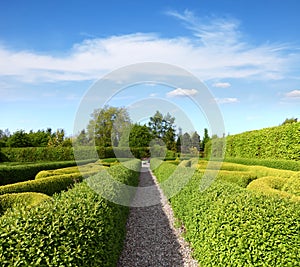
x,y
19,173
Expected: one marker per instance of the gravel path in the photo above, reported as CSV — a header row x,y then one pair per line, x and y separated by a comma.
x,y
151,238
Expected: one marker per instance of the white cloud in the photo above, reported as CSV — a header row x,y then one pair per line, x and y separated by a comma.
x,y
215,50
182,92
221,85
153,95
227,100
295,94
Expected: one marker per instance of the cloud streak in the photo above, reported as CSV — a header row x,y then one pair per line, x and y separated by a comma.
x,y
227,100
221,85
295,94
179,92
215,50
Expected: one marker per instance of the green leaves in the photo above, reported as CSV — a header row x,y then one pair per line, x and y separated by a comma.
x,y
228,225
78,228
282,142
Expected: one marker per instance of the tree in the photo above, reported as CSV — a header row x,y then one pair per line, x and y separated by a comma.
x,y
195,141
205,139
57,139
178,142
19,139
107,125
4,136
82,139
186,143
139,136
162,127
156,125
39,138
288,121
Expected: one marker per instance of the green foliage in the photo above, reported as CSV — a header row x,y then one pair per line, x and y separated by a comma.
x,y
205,139
107,125
58,139
137,136
41,138
270,185
20,173
15,200
215,148
282,142
48,186
227,225
19,139
78,228
271,163
162,127
240,178
292,185
84,170
291,120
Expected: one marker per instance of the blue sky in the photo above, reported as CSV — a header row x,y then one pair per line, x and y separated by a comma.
x,y
247,53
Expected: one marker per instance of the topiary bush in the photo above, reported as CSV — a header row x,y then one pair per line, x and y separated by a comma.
x,y
271,163
228,225
78,228
292,185
48,186
15,200
20,173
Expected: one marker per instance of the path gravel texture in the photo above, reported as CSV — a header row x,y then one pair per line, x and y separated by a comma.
x,y
151,238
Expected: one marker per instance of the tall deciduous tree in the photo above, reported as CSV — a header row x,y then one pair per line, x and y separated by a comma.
x,y
162,127
107,124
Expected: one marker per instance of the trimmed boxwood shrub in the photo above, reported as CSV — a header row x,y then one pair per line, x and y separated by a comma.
x,y
48,186
77,228
227,225
293,185
16,200
271,163
85,170
20,173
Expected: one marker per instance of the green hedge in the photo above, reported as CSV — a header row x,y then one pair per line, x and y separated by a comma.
x,y
47,186
227,225
15,200
85,170
78,228
282,142
33,154
271,163
292,186
20,173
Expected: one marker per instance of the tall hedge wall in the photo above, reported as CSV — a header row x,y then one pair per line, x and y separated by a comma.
x,y
281,142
